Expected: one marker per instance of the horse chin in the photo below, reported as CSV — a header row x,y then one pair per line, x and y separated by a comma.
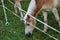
x,y
28,30
28,34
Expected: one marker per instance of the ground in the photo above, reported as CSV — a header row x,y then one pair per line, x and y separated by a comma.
x,y
15,29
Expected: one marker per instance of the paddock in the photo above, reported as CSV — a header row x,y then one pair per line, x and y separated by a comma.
x,y
14,30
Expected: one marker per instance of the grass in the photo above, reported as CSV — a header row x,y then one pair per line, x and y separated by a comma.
x,y
15,30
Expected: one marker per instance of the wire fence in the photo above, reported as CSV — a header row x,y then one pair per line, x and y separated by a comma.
x,y
7,23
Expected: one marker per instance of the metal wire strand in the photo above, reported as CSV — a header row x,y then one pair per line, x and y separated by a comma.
x,y
4,12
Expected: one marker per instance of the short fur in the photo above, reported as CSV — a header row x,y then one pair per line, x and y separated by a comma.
x,y
39,5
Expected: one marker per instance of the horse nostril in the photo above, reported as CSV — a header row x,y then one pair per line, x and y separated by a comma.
x,y
28,24
28,34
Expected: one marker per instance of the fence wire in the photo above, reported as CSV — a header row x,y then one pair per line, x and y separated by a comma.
x,y
4,12
4,9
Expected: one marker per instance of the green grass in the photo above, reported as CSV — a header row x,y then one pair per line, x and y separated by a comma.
x,y
15,30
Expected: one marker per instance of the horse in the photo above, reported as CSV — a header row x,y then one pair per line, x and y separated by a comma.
x,y
37,6
18,4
